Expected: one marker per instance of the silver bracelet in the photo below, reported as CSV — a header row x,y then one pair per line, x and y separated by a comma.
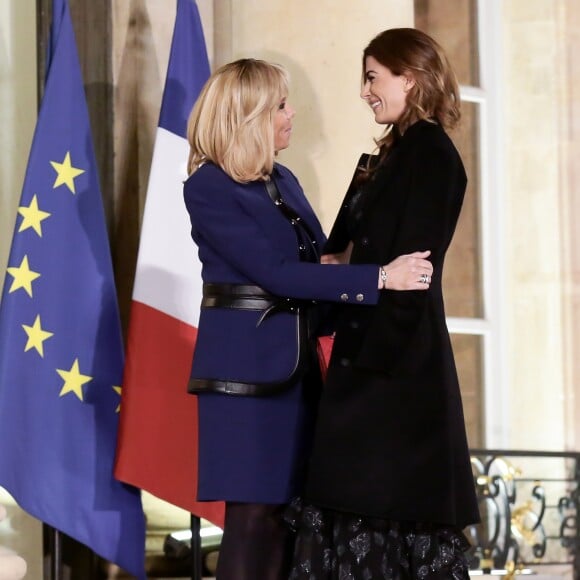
x,y
383,278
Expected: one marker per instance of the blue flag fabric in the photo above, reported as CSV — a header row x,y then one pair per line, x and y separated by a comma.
x,y
188,69
61,352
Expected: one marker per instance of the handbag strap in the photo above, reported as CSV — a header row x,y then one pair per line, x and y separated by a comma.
x,y
291,215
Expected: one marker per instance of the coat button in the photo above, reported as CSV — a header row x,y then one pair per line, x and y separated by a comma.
x,y
364,241
360,297
354,324
344,297
345,362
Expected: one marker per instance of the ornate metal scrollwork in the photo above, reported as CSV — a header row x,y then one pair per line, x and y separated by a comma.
x,y
526,521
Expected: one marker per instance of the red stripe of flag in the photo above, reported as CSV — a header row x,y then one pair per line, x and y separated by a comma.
x,y
162,458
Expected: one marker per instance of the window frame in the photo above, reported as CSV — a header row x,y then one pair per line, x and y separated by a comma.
x,y
491,328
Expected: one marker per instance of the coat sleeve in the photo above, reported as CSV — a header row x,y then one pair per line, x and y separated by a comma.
x,y
221,220
434,188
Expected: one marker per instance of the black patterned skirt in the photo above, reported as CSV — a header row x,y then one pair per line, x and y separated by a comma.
x,y
332,545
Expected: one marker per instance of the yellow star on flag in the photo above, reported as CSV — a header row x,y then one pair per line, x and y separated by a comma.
x,y
118,391
23,277
36,336
73,380
66,173
32,217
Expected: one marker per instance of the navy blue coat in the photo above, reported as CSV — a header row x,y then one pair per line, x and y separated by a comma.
x,y
250,448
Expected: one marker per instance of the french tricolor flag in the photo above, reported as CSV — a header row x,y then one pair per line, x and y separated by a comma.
x,y
157,442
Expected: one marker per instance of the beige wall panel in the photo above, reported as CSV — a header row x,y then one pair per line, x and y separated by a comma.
x,y
321,44
570,210
533,106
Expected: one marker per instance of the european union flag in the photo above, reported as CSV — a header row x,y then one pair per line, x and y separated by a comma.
x,y
61,353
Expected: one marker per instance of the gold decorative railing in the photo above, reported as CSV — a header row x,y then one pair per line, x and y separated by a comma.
x,y
529,504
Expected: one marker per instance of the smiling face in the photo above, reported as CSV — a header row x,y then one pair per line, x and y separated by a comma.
x,y
385,92
283,125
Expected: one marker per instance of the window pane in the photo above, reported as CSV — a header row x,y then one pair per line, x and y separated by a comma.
x,y
461,278
453,23
468,358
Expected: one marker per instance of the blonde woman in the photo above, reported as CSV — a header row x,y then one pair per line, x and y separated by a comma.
x,y
254,368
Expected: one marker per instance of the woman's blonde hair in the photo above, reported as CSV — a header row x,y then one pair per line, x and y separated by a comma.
x,y
232,122
435,93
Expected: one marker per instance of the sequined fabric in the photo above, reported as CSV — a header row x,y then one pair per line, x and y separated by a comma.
x,y
336,546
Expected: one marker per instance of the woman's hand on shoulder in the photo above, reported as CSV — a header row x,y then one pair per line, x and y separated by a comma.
x,y
407,272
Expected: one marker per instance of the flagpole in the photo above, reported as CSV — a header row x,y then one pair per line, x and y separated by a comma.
x,y
195,548
43,12
53,546
52,537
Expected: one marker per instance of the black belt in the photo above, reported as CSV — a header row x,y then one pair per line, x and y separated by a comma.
x,y
249,297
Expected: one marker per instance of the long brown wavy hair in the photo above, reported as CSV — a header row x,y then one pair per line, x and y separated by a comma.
x,y
435,93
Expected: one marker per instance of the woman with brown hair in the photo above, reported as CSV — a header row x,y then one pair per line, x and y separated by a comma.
x,y
389,486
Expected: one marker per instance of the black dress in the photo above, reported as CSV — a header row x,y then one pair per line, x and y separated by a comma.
x,y
390,487
333,545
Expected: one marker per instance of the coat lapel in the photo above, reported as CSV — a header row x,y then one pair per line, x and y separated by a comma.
x,y
379,211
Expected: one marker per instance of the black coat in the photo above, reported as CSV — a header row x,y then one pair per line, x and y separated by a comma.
x,y
390,439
